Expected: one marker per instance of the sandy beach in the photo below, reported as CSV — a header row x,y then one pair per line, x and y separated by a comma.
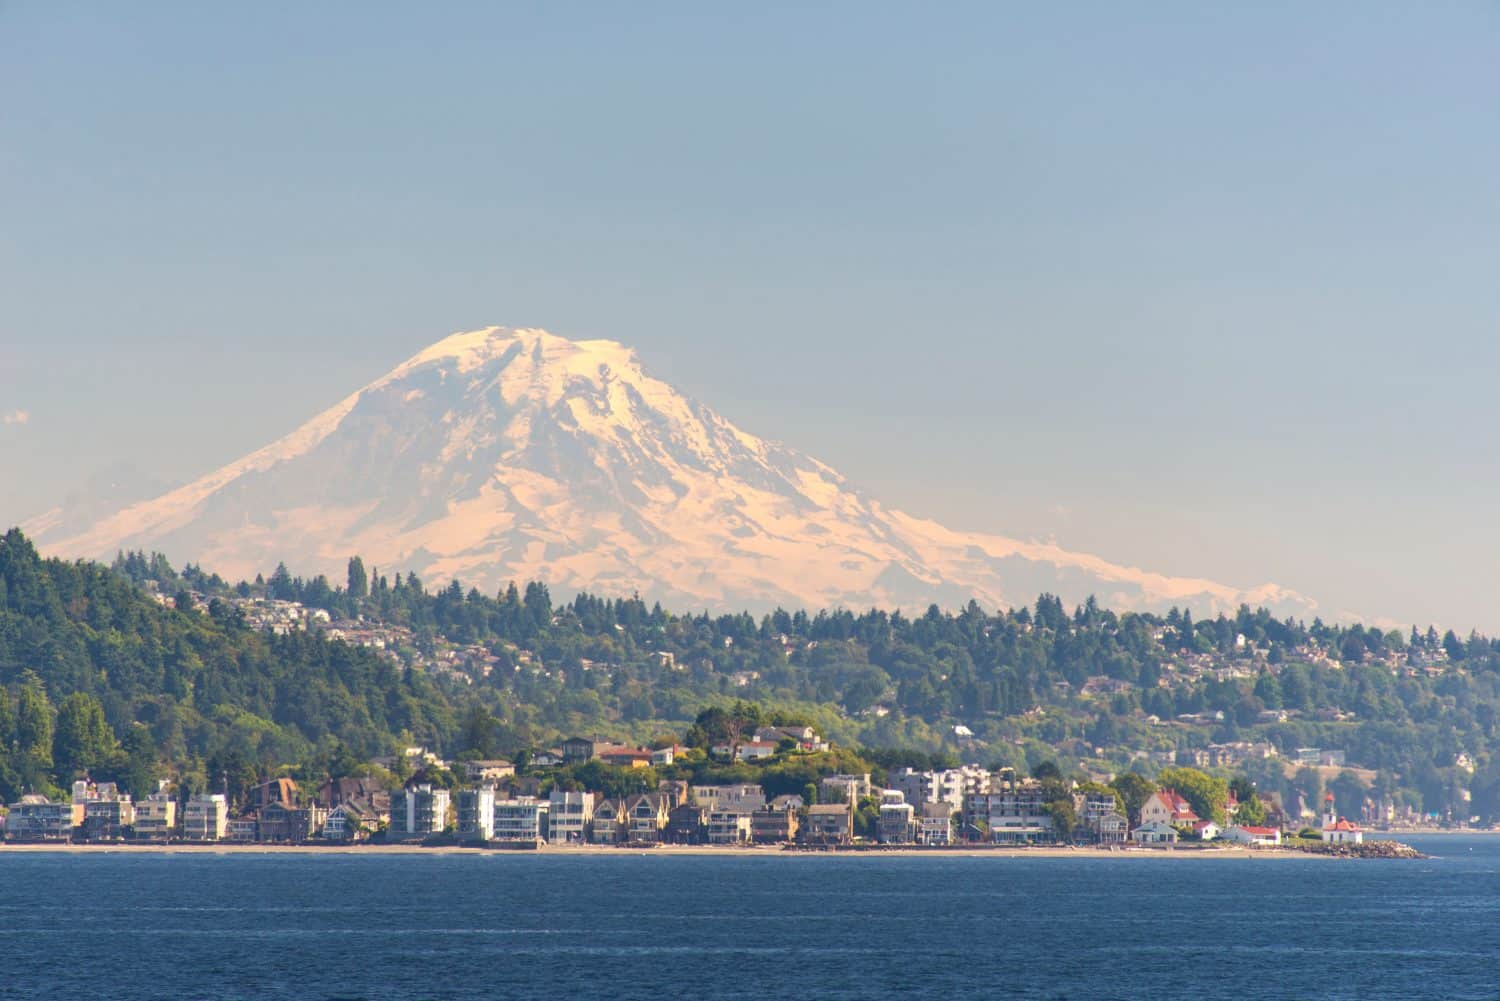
x,y
718,851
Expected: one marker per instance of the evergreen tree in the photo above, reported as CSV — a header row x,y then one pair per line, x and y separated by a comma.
x,y
83,740
359,583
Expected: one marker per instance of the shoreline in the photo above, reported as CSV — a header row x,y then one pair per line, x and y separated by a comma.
x,y
662,851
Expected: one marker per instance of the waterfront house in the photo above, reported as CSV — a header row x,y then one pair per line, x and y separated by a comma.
x,y
286,824
1206,830
570,815
609,822
1111,829
1244,834
829,824
935,824
729,826
646,817
897,822
687,824
1154,833
1167,806
775,823
349,822
242,830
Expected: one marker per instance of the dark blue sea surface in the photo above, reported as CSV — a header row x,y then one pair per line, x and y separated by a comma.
x,y
338,926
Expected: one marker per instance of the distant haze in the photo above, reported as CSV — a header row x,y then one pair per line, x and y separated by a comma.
x,y
1202,290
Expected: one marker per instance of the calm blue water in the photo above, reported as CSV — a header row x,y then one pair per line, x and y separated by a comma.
x,y
501,925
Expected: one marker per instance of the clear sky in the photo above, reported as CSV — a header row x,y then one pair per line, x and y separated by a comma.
x,y
1206,288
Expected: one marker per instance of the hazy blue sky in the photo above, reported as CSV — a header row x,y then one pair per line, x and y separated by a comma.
x,y
1212,291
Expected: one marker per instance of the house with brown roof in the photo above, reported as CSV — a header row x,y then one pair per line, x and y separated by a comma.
x,y
828,824
646,816
609,822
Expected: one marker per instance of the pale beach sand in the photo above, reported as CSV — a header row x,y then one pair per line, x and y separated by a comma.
x,y
663,851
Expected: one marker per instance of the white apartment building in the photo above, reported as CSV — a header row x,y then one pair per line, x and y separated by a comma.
x,y
521,819
729,826
205,817
476,813
569,815
418,812
947,786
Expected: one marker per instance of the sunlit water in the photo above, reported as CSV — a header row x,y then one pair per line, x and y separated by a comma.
x,y
643,926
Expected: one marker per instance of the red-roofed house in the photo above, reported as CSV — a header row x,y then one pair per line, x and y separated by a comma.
x,y
1337,830
1167,806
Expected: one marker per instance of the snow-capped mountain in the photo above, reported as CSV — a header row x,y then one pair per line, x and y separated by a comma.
x,y
502,454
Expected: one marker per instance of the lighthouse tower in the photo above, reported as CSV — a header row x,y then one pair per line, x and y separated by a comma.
x,y
1330,814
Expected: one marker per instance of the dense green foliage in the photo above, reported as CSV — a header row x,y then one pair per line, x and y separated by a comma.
x,y
498,674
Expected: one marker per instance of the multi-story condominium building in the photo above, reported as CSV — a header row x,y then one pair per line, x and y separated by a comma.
x,y
1014,812
829,824
155,817
728,827
745,797
935,824
844,788
205,817
36,818
524,818
107,819
774,824
476,813
419,812
947,786
569,816
897,824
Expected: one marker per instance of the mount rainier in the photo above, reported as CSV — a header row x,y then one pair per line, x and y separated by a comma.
x,y
505,454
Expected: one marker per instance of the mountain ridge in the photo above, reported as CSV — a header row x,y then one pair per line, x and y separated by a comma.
x,y
504,454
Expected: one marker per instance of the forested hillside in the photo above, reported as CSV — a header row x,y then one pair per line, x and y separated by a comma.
x,y
185,683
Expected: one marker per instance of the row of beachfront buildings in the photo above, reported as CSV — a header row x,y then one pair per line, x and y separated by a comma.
x,y
933,808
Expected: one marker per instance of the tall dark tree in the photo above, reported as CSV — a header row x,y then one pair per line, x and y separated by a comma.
x,y
359,582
